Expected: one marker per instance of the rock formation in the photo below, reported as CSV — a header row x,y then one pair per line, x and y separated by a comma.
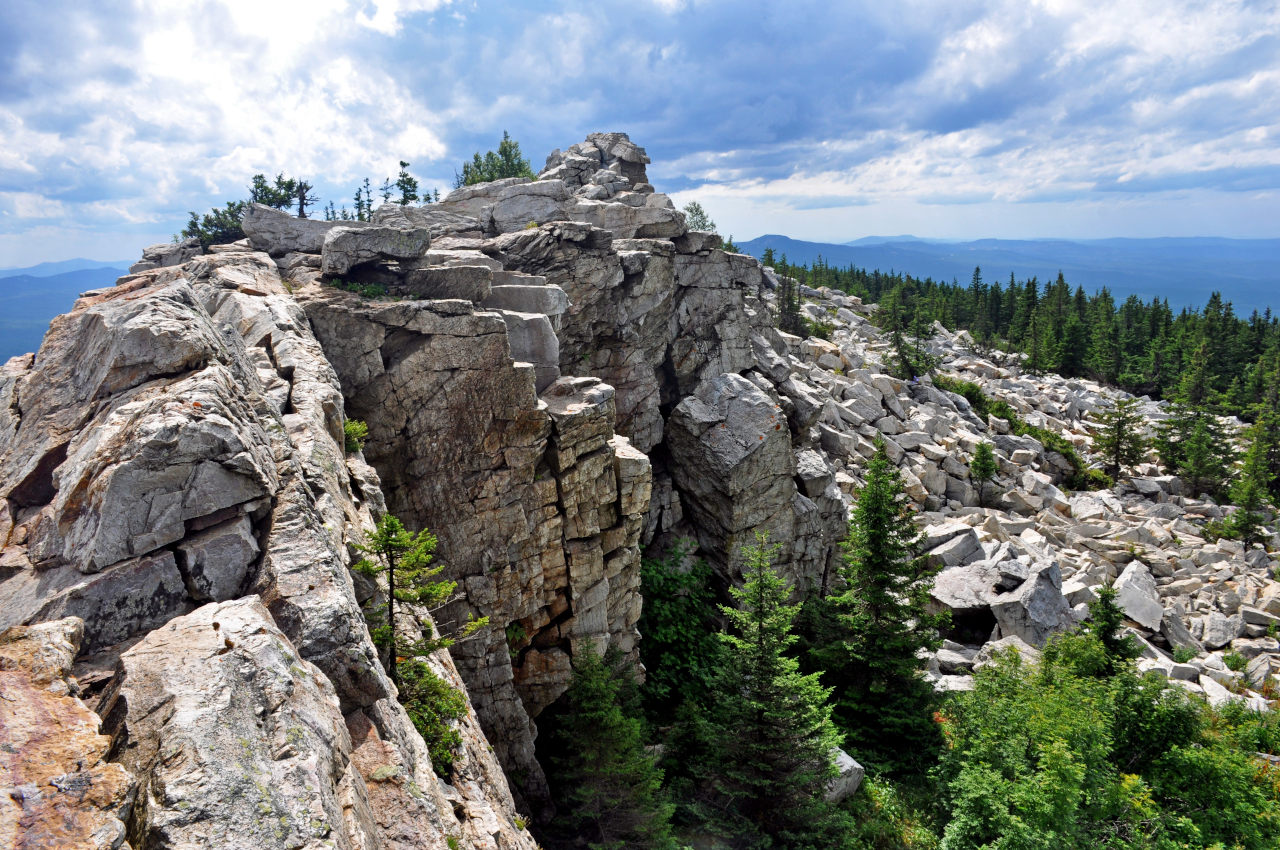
x,y
558,374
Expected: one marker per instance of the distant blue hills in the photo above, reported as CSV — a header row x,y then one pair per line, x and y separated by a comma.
x,y
1185,270
30,297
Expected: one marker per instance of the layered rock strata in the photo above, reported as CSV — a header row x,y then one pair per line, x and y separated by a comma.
x,y
176,443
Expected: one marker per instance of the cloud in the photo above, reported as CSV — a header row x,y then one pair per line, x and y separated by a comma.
x,y
801,109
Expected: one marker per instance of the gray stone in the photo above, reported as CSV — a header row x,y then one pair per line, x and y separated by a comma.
x,y
190,703
166,254
1220,630
345,248
215,562
959,549
734,466
549,300
1036,609
1176,632
1009,643
279,233
471,283
533,340
1136,594
848,778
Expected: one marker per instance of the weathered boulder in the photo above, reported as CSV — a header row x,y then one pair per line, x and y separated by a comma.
x,y
848,778
1036,609
732,460
279,233
1137,595
345,248
507,205
234,732
166,254
60,789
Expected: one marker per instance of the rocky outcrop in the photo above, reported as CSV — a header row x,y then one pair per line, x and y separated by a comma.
x,y
60,789
537,504
554,372
178,441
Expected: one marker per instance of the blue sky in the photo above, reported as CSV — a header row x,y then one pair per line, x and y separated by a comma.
x,y
819,120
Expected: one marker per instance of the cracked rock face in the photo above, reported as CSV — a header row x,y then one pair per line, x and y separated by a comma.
x,y
177,442
61,790
537,504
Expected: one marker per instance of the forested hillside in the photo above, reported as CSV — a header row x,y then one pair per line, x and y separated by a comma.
x,y
1145,348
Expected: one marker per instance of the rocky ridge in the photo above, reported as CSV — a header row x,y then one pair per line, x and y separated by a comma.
x,y
559,374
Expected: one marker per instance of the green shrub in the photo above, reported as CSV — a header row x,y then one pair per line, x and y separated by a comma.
x,y
680,649
516,636
1235,661
354,434
892,816
433,706
1183,654
364,290
1069,755
218,226
822,330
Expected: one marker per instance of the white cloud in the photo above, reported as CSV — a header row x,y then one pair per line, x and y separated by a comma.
x,y
387,13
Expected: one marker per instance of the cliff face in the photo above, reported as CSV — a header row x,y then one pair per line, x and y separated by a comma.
x,y
174,478
559,374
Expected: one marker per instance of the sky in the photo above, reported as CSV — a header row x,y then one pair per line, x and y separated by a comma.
x,y
825,121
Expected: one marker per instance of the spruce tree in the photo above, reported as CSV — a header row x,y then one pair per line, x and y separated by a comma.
x,y
870,637
1250,491
407,184
1119,442
1205,457
696,218
405,559
982,469
609,790
772,725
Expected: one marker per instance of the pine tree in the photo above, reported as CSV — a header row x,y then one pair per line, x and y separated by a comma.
x,y
872,634
772,724
407,184
405,560
302,195
696,217
1119,442
610,791
982,469
277,196
507,161
1250,491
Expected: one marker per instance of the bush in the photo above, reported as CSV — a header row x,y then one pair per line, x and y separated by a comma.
x,y
433,706
1235,661
364,290
890,816
218,226
1183,654
821,330
1069,755
354,434
680,649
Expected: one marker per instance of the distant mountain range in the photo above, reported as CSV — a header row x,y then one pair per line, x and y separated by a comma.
x,y
30,297
1183,270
